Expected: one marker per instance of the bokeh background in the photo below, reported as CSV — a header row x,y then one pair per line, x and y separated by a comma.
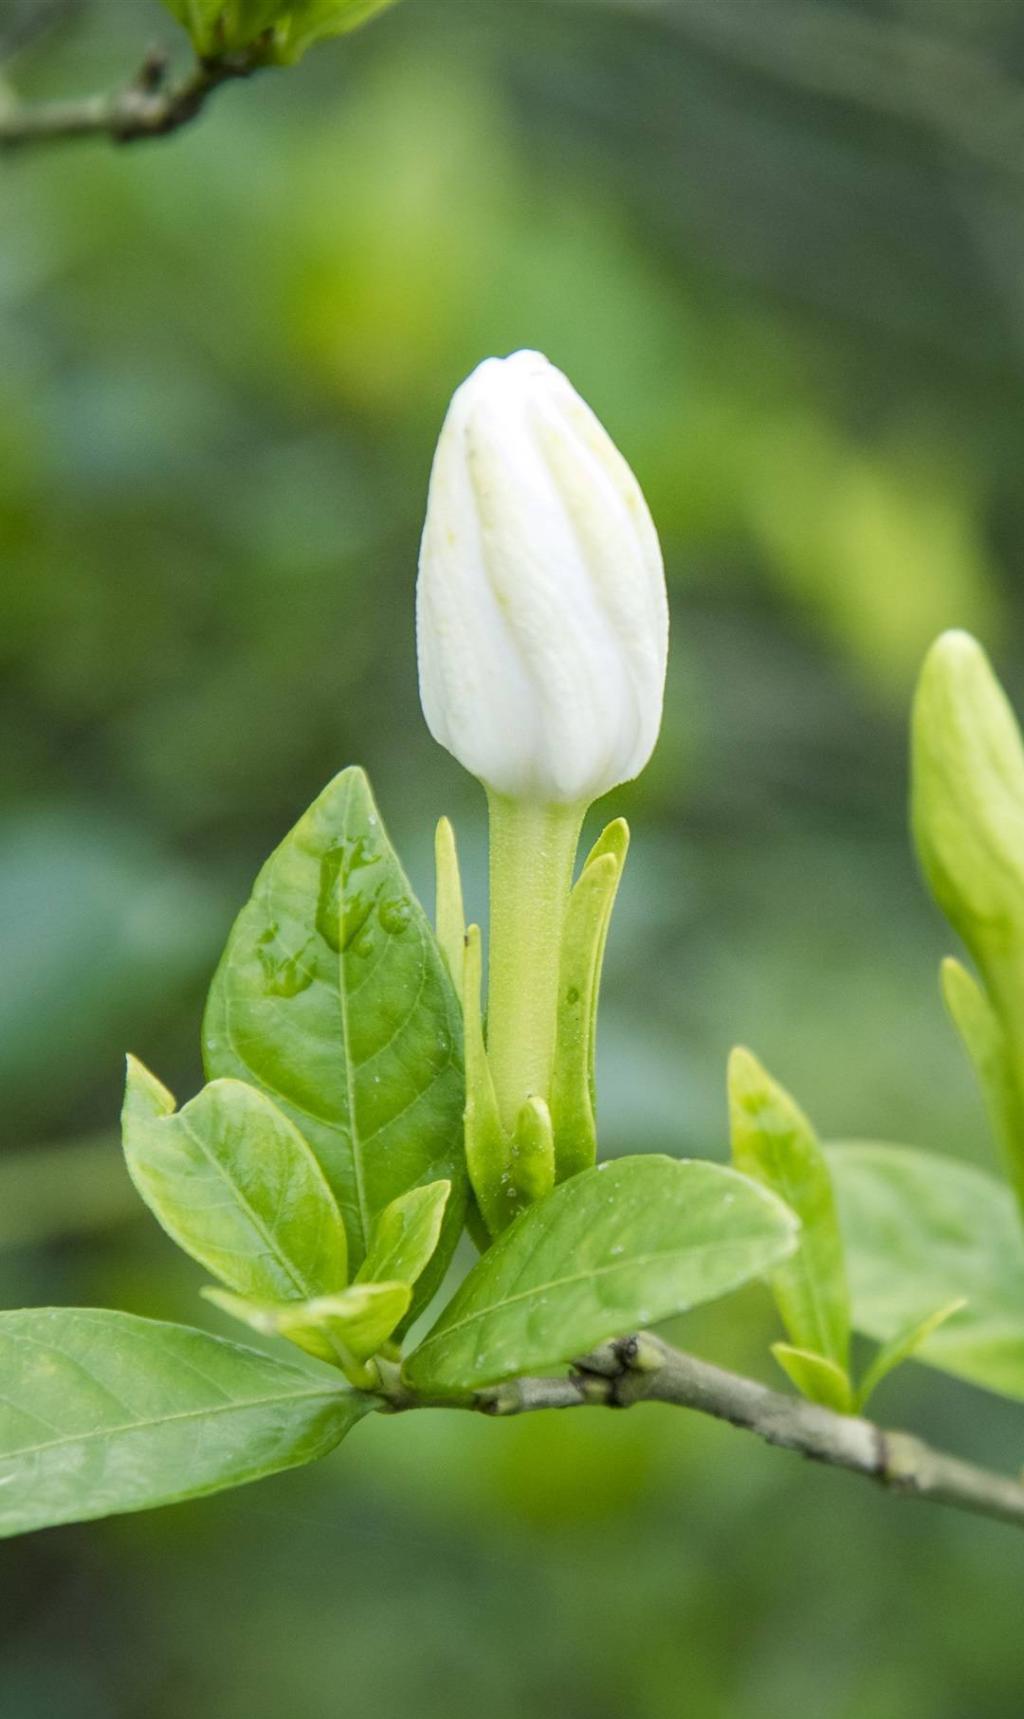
x,y
778,244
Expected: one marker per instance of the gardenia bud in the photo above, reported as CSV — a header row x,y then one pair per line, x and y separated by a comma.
x,y
542,620
968,792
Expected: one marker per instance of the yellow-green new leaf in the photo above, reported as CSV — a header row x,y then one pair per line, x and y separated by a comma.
x,y
623,1245
815,1377
225,26
341,1329
773,1142
406,1236
104,1412
234,1183
311,21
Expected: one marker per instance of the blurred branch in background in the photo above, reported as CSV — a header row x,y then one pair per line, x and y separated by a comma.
x,y
230,39
151,104
64,1190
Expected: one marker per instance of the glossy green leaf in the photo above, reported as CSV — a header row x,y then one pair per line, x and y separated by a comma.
x,y
103,1412
341,1329
815,1377
333,997
406,1235
921,1230
231,1179
903,1347
622,1245
583,944
773,1142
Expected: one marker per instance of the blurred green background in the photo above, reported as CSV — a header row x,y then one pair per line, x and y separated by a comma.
x,y
779,247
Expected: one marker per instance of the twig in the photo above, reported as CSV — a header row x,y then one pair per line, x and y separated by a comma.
x,y
644,1369
150,105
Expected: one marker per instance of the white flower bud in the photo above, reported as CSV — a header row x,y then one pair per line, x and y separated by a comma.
x,y
542,620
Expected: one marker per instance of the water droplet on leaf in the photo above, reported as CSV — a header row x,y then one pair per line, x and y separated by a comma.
x,y
394,914
286,972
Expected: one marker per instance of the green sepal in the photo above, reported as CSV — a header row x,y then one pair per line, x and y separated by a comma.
x,y
583,944
902,1347
234,1183
344,1330
533,1151
476,1229
449,913
816,1377
985,1042
774,1143
406,1235
488,1148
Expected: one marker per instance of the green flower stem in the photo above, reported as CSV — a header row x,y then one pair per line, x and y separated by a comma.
x,y
532,849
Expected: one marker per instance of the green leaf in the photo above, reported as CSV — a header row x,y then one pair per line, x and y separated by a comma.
x,y
342,1329
231,1179
333,997
103,1412
815,1377
315,20
406,1235
622,1245
902,1347
773,1142
583,944
921,1230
